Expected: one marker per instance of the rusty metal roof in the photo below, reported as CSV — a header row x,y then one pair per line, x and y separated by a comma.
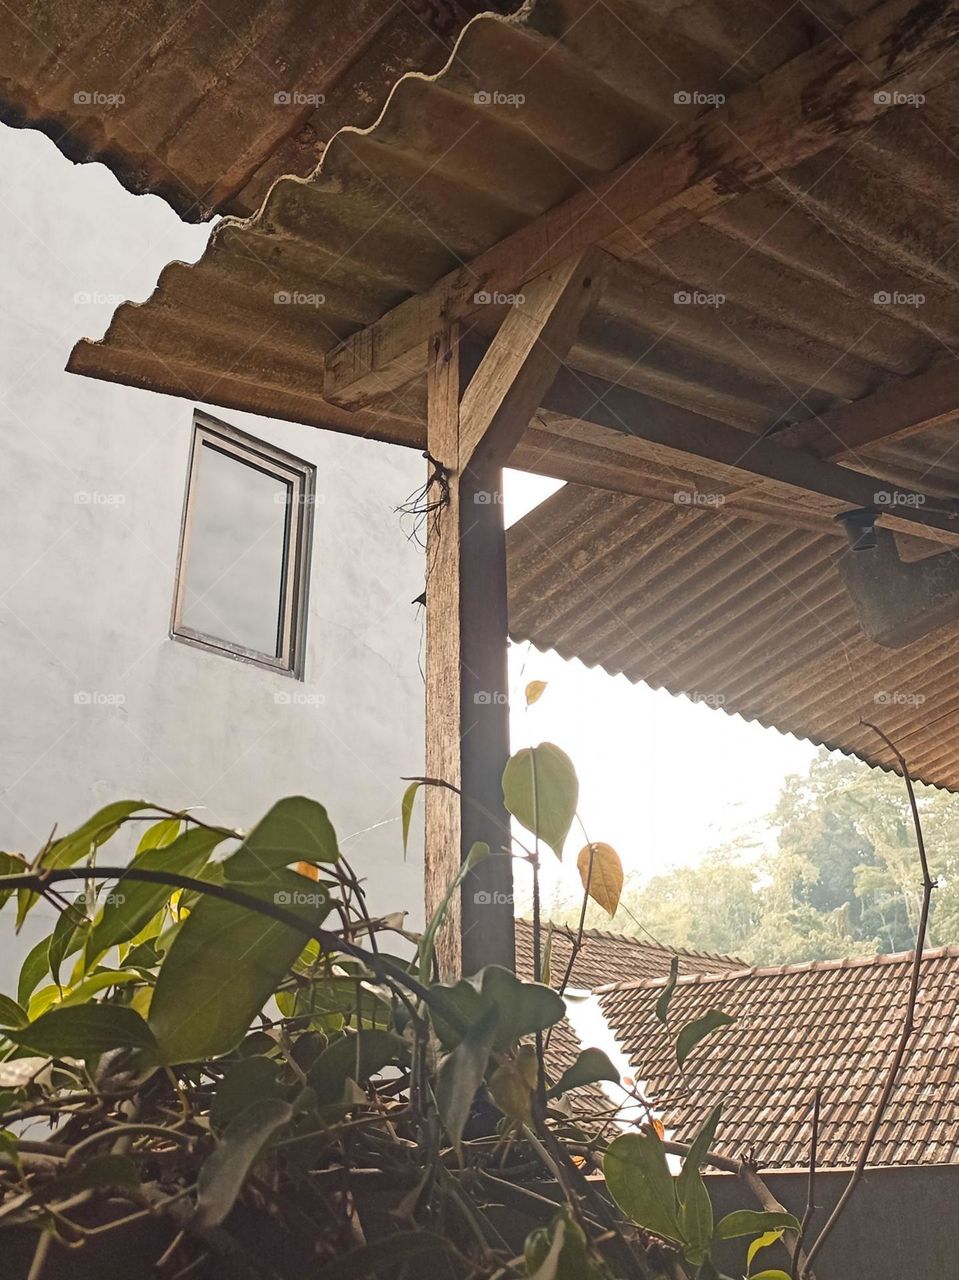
x,y
207,104
832,1023
831,281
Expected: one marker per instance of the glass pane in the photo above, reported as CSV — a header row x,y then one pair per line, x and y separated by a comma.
x,y
235,565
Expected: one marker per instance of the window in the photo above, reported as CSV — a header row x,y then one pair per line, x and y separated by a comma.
x,y
244,548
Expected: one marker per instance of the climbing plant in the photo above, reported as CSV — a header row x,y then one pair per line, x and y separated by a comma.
x,y
219,1064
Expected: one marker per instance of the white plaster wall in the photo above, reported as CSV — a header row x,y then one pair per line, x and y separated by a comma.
x,y
86,588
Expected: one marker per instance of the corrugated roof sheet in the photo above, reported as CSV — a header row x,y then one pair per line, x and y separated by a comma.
x,y
801,266
830,1023
198,121
748,617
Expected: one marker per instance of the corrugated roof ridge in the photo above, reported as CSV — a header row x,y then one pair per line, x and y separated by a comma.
x,y
649,945
772,971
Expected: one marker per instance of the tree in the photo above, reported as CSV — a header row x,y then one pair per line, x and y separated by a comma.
x,y
842,880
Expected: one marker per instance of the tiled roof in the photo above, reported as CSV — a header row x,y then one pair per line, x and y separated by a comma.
x,y
832,1024
612,957
604,956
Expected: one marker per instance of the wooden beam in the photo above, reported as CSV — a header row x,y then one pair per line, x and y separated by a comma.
x,y
900,409
472,429
676,437
797,111
519,365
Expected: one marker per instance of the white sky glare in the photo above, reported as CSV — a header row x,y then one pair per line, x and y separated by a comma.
x,y
662,779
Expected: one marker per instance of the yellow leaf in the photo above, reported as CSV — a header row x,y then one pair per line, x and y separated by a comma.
x,y
658,1129
511,1085
604,882
307,869
534,691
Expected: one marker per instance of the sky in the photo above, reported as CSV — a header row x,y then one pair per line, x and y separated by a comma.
x,y
662,779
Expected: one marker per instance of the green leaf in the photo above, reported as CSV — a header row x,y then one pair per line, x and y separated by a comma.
x,y
228,1167
662,1004
770,1275
477,853
80,844
696,1155
750,1222
764,1241
368,1259
520,1007
639,1180
33,969
11,1013
98,981
11,864
548,1269
160,834
406,812
696,1219
540,790
512,1083
355,1057
70,931
591,1066
249,1080
132,904
461,1073
295,830
225,963
694,1032
84,1031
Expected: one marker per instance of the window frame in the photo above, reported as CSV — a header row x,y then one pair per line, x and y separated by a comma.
x,y
297,544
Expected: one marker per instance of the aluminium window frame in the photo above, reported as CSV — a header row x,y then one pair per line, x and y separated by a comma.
x,y
297,549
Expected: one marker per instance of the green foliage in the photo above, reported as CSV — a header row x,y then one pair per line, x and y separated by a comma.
x,y
541,790
227,1168
189,1050
677,1209
591,1066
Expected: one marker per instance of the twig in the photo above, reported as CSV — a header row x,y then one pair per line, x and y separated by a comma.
x,y
810,1186
908,1022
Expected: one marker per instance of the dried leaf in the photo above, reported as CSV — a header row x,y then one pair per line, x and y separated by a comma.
x,y
534,691
604,879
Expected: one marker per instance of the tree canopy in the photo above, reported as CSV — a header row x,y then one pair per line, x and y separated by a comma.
x,y
843,878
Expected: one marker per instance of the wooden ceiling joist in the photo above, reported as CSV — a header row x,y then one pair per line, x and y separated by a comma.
x,y
676,438
794,113
900,409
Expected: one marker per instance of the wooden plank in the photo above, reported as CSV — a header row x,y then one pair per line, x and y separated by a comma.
x,y
522,360
901,409
675,437
467,709
799,110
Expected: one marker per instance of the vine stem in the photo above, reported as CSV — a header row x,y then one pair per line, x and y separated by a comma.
x,y
908,1022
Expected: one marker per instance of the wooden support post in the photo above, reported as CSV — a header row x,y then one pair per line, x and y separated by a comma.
x,y
467,708
472,429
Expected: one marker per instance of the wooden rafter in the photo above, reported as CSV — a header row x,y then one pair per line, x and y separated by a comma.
x,y
680,440
797,111
900,409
